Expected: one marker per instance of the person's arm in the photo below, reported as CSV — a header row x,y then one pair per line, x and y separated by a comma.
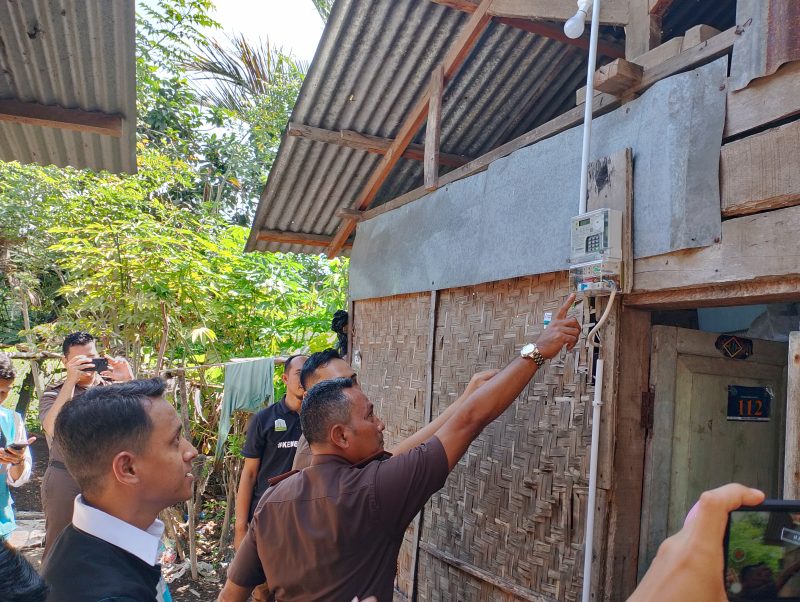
x,y
492,399
429,430
75,370
234,593
689,565
245,572
19,472
244,497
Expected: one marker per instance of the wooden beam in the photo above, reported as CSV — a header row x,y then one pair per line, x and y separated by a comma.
x,y
760,173
433,130
554,32
765,100
76,120
755,291
453,60
345,213
625,508
370,144
643,31
762,245
297,238
612,12
698,34
659,7
618,77
791,485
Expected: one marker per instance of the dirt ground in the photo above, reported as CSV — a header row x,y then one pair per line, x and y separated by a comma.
x,y
28,500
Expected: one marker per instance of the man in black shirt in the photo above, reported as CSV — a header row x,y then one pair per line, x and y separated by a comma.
x,y
125,447
269,449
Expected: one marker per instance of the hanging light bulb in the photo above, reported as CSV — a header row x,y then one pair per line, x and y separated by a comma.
x,y
574,26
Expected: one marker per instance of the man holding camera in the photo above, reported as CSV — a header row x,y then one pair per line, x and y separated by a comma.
x,y
85,369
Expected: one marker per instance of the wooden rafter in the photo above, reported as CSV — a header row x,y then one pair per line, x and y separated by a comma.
x,y
297,238
453,60
612,12
433,130
370,144
77,120
554,32
659,7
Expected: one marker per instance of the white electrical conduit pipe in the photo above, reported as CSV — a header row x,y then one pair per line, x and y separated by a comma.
x,y
589,105
597,403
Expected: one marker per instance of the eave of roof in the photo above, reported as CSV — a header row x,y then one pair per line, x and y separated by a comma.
x,y
74,54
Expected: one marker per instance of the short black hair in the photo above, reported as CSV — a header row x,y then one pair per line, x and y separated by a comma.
x,y
324,405
74,339
6,367
287,364
19,581
92,428
314,361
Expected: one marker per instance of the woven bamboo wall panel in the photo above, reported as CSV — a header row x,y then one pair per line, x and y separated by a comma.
x,y
391,335
514,506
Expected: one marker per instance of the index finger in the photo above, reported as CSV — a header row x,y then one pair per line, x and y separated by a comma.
x,y
562,312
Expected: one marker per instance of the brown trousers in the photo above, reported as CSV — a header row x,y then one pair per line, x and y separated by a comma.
x,y
58,496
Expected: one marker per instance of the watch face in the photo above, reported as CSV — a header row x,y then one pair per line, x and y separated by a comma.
x,y
528,349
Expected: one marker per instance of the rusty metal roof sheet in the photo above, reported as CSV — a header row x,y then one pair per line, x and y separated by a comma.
x,y
374,60
77,54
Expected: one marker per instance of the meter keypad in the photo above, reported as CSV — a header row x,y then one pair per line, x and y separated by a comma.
x,y
593,243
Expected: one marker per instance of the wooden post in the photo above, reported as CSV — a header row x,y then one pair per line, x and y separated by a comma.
x,y
428,416
643,31
791,486
433,129
183,395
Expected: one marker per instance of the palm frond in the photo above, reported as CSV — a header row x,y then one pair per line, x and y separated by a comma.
x,y
234,75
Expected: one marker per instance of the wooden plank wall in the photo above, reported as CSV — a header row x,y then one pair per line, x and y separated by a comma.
x,y
509,522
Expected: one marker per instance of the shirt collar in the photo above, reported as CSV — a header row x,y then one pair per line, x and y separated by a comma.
x,y
328,458
142,544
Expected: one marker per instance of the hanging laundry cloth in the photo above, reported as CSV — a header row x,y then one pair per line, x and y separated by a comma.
x,y
248,387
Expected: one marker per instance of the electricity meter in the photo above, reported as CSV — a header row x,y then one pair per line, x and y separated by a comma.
x,y
596,252
596,235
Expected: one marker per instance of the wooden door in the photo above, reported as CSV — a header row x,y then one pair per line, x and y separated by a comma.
x,y
694,444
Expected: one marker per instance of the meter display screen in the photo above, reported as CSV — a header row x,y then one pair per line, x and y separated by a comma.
x,y
584,222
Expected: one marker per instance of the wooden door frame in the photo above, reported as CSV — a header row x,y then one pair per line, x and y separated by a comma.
x,y
658,484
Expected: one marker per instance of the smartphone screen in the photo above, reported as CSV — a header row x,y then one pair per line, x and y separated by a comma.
x,y
762,552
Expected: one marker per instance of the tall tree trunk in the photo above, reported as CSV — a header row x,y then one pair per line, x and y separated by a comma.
x,y
37,381
183,395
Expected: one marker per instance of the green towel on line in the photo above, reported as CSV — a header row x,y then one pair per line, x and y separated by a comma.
x,y
248,387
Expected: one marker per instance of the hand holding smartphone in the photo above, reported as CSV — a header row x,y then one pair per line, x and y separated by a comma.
x,y
762,552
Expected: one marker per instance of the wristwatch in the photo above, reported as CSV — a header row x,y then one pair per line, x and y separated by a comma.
x,y
532,351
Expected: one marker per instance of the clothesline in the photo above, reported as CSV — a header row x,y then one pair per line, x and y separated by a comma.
x,y
165,371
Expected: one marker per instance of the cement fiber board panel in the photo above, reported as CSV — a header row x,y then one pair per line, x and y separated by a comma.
x,y
513,219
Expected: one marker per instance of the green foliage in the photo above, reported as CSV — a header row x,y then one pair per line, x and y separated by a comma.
x,y
323,8
747,537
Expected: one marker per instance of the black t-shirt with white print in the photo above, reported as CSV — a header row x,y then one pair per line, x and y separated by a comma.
x,y
272,436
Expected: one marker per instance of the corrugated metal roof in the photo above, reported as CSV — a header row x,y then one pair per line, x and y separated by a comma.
x,y
77,54
373,62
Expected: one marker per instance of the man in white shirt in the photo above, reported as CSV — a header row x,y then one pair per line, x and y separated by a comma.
x,y
124,445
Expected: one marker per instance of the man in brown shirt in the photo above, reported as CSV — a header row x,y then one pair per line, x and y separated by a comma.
x,y
333,531
58,487
328,364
